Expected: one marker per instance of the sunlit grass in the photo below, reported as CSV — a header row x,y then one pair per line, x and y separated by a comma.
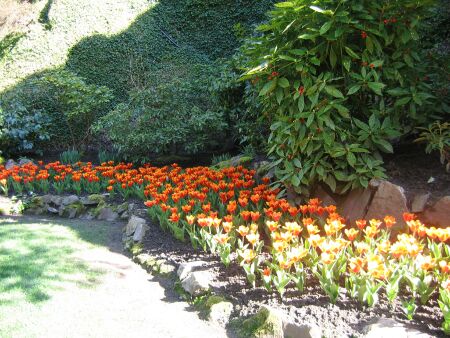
x,y
39,261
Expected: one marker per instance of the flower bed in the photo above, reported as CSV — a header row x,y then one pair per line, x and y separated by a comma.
x,y
277,244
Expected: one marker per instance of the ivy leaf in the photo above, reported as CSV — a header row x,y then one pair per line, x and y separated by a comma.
x,y
334,92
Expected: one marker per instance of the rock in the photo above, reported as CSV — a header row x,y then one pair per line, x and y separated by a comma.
x,y
292,196
293,330
131,207
146,260
264,324
56,200
122,208
235,161
388,328
166,269
133,224
107,214
139,233
324,196
197,283
10,164
70,200
47,199
72,210
419,202
52,210
186,268
125,215
389,199
220,312
37,202
439,213
94,199
355,204
24,161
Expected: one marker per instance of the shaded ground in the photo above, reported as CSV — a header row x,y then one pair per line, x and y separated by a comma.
x,y
61,278
418,172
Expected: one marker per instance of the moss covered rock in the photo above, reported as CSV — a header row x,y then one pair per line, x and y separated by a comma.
x,y
264,324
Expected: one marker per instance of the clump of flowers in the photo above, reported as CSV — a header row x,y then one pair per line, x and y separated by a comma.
x,y
230,213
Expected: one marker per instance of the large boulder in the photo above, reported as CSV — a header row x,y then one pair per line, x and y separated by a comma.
x,y
439,213
355,204
419,202
389,199
324,196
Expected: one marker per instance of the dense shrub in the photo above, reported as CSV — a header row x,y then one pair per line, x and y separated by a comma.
x,y
339,83
21,129
176,115
59,108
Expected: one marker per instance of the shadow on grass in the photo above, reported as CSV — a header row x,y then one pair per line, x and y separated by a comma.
x,y
38,257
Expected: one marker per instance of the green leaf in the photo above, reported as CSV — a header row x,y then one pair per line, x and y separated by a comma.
x,y
342,110
295,181
283,82
299,52
334,92
353,89
326,27
301,104
384,145
268,87
402,101
285,4
352,53
351,159
347,63
376,87
331,182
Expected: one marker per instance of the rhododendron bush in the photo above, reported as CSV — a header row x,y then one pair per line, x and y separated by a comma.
x,y
231,213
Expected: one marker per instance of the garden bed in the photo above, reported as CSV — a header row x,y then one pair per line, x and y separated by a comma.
x,y
346,318
338,276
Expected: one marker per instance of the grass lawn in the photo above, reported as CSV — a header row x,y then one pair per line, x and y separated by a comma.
x,y
40,262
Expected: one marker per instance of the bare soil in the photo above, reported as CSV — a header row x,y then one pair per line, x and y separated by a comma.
x,y
346,318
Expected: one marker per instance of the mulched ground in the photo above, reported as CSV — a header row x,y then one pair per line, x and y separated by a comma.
x,y
412,169
346,318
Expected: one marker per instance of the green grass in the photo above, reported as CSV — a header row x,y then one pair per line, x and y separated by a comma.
x,y
38,262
